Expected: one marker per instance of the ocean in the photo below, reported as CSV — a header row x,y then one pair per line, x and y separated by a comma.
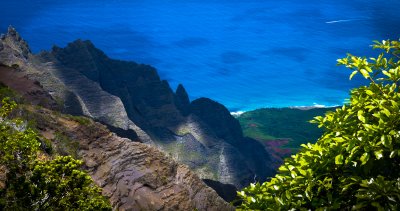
x,y
245,54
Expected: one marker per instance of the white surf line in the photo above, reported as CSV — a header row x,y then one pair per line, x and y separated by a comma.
x,y
237,113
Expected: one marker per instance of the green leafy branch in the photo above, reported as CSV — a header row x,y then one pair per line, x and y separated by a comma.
x,y
355,163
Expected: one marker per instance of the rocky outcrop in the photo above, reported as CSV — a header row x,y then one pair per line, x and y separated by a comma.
x,y
13,48
148,100
30,90
135,103
95,102
76,93
133,175
201,134
182,100
216,116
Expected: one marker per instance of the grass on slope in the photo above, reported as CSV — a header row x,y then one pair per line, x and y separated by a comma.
x,y
290,125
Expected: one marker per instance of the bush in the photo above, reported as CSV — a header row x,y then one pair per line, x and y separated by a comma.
x,y
31,184
355,163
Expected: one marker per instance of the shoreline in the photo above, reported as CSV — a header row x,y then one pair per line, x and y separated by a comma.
x,y
302,108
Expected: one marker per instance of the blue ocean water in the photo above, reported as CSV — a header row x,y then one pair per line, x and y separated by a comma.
x,y
245,54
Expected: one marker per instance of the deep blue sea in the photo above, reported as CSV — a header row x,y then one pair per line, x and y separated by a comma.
x,y
245,54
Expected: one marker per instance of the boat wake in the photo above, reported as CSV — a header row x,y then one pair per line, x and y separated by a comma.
x,y
343,20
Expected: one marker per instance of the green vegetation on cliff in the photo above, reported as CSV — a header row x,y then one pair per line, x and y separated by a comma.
x,y
355,163
31,180
291,124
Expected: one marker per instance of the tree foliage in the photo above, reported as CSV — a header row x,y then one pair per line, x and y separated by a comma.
x,y
32,184
355,163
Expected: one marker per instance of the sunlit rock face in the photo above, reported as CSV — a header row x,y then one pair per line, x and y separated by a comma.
x,y
134,176
13,49
149,101
135,103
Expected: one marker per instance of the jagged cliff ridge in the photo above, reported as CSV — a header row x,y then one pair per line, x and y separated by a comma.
x,y
132,99
133,175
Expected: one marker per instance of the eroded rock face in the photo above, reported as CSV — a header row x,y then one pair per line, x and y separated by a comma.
x,y
201,134
13,48
30,90
133,175
133,100
73,91
149,101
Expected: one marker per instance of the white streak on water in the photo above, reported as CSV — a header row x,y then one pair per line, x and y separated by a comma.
x,y
344,20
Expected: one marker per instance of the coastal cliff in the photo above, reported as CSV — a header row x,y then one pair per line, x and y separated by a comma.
x,y
133,175
135,103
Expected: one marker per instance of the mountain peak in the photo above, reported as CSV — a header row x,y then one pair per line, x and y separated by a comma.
x,y
219,118
84,43
81,55
182,99
13,47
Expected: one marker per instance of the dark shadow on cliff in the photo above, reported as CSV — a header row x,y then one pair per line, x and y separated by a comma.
x,y
225,191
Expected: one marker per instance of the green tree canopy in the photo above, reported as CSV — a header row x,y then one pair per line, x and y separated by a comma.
x,y
355,164
31,184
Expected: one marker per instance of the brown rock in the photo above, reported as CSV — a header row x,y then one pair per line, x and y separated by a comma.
x,y
133,175
30,90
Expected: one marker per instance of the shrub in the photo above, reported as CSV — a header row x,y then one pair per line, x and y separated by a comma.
x,y
31,184
355,163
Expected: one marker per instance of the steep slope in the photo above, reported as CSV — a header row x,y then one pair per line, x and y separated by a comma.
x,y
133,175
135,103
149,101
73,92
32,90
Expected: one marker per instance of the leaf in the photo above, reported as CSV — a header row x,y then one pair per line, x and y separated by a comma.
x,y
378,206
283,168
364,158
353,74
395,105
385,141
339,159
369,127
303,172
386,73
378,154
365,73
386,112
288,194
369,92
360,115
279,200
339,139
